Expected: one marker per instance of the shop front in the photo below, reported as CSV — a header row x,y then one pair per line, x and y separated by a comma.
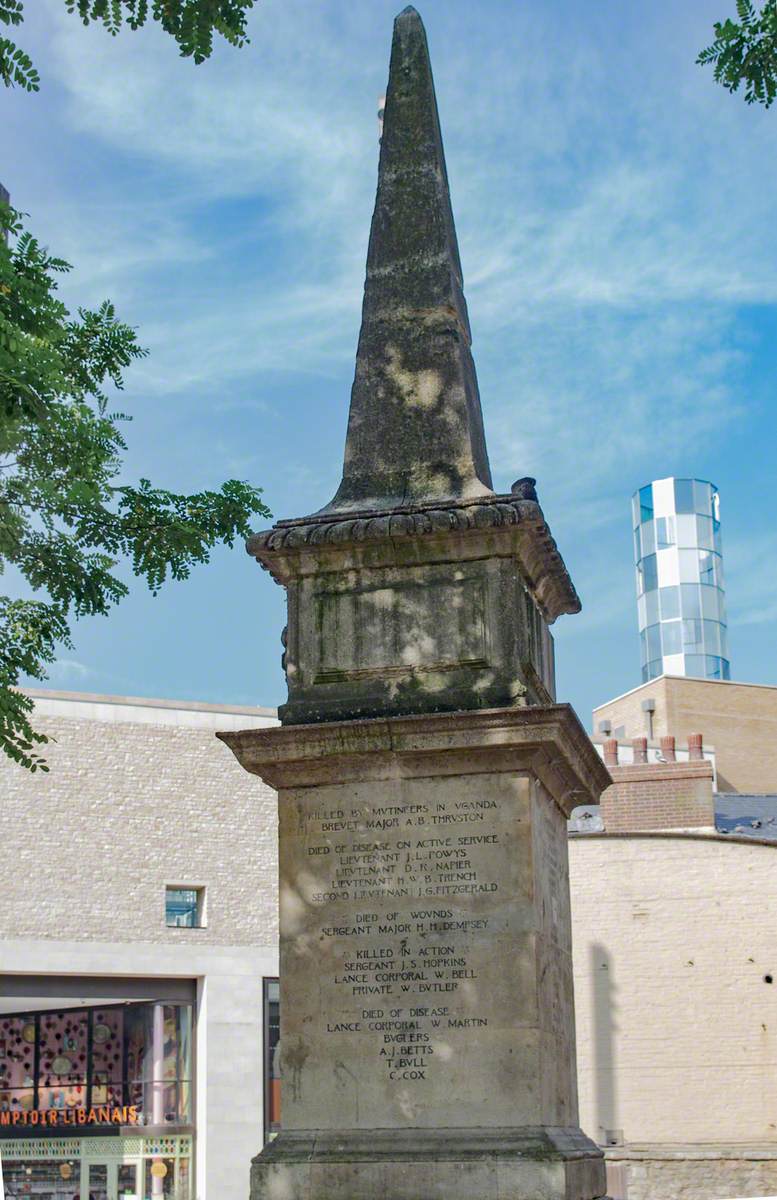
x,y
121,1168
96,1102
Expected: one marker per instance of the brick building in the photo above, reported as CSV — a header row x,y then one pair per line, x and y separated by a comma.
x,y
738,719
138,951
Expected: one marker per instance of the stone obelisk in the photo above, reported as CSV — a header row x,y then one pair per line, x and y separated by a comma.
x,y
423,768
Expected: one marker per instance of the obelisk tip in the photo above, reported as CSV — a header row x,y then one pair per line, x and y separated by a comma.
x,y
415,431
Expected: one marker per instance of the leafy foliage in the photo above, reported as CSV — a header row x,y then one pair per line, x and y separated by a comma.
x,y
746,52
15,66
65,522
192,23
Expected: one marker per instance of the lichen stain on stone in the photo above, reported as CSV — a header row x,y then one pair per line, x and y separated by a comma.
x,y
294,1055
293,904
407,1105
347,1082
418,389
443,1050
418,651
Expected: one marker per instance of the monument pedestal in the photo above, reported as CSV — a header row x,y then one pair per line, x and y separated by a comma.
x,y
443,1164
427,1018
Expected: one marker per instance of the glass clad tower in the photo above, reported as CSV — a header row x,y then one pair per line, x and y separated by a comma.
x,y
680,593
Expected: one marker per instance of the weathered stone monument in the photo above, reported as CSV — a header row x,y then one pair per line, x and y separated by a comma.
x,y
424,771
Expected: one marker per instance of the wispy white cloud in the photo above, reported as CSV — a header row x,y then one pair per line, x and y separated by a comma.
x,y
611,210
68,670
750,564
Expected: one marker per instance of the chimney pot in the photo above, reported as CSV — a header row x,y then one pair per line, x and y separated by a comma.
x,y
667,748
695,746
611,752
639,747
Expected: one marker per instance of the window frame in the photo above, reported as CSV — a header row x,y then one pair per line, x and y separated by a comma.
x,y
268,982
201,913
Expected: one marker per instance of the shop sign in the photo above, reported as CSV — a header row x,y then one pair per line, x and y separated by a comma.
x,y
103,1114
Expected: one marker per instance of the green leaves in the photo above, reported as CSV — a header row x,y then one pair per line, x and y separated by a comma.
x,y
192,23
65,522
16,67
746,52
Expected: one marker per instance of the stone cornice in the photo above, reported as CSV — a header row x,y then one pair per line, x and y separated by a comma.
x,y
539,1143
535,547
548,741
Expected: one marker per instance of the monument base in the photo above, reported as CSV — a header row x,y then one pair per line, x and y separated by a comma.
x,y
539,1163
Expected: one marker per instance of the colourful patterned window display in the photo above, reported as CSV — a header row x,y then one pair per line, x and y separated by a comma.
x,y
63,1040
17,1064
117,1066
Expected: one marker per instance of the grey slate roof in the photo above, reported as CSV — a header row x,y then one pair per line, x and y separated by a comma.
x,y
746,815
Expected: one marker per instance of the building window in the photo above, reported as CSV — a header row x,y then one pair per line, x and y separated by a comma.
x,y
692,640
75,1070
670,603
683,496
272,1072
647,574
185,907
671,639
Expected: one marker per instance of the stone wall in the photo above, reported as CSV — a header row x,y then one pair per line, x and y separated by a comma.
x,y
674,952
139,795
691,1175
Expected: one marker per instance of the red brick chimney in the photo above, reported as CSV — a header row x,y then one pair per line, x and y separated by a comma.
x,y
611,752
658,795
667,748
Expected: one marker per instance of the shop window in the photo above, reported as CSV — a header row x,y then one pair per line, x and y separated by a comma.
x,y
55,1180
127,1182
160,1178
185,907
159,1062
272,1073
109,1066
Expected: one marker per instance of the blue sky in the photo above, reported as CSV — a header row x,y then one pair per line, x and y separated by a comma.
x,y
615,212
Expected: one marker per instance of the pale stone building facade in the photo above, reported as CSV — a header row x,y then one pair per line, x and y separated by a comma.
x,y
676,1008
141,797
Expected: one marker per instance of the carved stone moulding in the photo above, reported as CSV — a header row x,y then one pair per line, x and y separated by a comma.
x,y
548,741
312,544
426,609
